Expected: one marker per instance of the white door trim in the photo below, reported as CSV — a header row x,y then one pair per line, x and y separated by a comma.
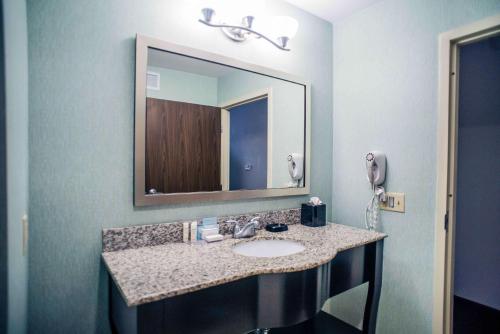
x,y
254,96
446,160
224,151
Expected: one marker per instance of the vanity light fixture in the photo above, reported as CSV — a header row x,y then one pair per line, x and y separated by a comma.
x,y
283,28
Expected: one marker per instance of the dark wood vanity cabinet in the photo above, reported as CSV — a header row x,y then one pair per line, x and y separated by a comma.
x,y
262,301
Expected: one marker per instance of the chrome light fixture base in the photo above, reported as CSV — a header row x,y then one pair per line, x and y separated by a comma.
x,y
235,34
238,34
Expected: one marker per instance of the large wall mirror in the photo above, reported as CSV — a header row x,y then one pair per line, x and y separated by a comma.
x,y
208,127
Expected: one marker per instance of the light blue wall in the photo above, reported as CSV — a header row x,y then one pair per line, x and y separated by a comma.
x,y
184,87
81,57
16,78
385,98
287,110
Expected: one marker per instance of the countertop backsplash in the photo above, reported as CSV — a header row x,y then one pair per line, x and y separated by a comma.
x,y
121,238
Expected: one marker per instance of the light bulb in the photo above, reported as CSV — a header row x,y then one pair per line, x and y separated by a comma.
x,y
212,4
235,10
254,8
284,26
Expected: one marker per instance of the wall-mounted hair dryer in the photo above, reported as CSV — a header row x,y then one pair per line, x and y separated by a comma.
x,y
375,168
296,166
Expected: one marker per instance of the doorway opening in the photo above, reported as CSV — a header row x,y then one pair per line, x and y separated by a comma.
x,y
476,272
246,145
467,253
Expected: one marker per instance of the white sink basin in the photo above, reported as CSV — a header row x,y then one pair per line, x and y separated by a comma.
x,y
268,248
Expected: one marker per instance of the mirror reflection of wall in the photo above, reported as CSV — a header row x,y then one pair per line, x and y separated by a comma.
x,y
211,127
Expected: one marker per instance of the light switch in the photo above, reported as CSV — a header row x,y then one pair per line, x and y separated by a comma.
x,y
394,202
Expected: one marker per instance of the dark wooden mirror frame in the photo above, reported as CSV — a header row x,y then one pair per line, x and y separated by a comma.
x,y
143,199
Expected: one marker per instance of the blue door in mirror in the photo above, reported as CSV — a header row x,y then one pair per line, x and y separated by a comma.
x,y
248,146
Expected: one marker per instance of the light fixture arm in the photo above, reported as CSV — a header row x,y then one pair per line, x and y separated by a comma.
x,y
283,40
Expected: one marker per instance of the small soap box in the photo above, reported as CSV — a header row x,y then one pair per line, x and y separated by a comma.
x,y
313,213
208,230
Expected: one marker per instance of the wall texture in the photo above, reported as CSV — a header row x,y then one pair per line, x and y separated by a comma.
x,y
16,78
81,69
385,98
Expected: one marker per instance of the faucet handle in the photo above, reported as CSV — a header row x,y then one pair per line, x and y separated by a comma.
x,y
236,225
255,221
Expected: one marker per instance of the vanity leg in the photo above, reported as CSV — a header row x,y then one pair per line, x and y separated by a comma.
x,y
373,274
122,319
110,305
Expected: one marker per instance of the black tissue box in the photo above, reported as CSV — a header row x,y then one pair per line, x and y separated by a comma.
x,y
313,215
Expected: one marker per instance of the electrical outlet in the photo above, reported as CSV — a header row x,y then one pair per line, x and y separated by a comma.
x,y
393,202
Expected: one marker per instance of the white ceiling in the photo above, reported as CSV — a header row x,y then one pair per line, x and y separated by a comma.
x,y
331,10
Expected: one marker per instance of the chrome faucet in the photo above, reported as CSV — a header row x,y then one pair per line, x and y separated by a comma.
x,y
246,231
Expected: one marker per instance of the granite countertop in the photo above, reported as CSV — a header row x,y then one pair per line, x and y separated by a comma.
x,y
149,274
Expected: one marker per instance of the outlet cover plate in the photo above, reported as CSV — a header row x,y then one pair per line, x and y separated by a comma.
x,y
393,202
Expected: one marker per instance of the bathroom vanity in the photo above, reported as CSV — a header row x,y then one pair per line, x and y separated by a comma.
x,y
198,287
213,128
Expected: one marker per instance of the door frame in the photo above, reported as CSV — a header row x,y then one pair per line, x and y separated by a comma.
x,y
4,268
447,127
226,121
